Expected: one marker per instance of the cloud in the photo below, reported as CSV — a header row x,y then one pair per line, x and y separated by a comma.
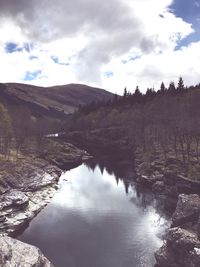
x,y
81,40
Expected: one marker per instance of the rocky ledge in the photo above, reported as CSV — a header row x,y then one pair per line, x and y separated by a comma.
x,y
15,253
182,244
26,186
179,195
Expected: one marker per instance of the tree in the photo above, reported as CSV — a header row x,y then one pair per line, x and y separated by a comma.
x,y
137,94
162,88
172,88
180,87
125,92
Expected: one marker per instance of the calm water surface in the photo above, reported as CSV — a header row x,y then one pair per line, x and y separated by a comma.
x,y
94,220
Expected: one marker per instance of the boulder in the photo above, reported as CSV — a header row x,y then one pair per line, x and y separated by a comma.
x,y
187,210
193,259
181,239
14,199
164,257
181,249
15,253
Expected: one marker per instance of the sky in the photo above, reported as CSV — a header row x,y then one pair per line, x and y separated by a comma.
x,y
111,44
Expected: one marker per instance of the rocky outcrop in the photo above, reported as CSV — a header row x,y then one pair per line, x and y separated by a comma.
x,y
28,184
182,244
181,249
187,210
65,155
15,253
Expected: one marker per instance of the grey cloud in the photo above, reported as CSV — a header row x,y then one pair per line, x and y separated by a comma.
x,y
111,27
52,19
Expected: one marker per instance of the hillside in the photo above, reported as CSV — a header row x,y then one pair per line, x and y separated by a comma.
x,y
51,101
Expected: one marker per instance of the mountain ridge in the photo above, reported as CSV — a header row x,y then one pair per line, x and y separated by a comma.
x,y
58,100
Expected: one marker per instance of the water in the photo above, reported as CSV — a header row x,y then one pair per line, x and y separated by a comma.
x,y
97,220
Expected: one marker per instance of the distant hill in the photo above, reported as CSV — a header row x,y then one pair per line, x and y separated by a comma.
x,y
56,101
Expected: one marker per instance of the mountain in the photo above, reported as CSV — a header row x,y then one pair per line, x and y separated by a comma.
x,y
56,101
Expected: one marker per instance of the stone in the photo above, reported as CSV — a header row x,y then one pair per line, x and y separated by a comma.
x,y
14,198
187,210
16,253
164,257
193,259
182,239
181,249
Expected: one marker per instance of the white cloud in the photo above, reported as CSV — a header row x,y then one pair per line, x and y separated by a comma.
x,y
89,38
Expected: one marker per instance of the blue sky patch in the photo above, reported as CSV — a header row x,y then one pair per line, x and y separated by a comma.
x,y
189,11
108,74
57,61
29,76
130,59
11,47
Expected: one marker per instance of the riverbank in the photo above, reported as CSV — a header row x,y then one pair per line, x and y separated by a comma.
x,y
179,195
27,185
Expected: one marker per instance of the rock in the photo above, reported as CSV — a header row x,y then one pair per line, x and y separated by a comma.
x,y
66,155
181,249
164,257
158,187
193,259
182,240
187,210
14,199
15,253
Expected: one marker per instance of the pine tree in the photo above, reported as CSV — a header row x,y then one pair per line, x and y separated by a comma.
x,y
172,88
125,93
162,88
180,87
137,94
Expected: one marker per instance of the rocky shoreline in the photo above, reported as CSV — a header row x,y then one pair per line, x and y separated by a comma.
x,y
179,195
26,186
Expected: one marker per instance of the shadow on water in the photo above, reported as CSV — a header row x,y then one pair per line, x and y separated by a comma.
x,y
124,172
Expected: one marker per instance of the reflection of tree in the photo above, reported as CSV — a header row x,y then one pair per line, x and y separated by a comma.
x,y
112,168
126,186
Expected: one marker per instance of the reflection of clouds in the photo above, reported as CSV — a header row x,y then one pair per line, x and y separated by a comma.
x,y
86,189
92,222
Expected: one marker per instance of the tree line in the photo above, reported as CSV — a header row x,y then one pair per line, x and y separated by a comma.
x,y
167,120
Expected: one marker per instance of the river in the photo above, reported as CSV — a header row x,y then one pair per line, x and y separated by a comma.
x,y
97,219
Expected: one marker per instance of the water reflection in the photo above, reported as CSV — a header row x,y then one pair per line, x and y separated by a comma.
x,y
96,220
